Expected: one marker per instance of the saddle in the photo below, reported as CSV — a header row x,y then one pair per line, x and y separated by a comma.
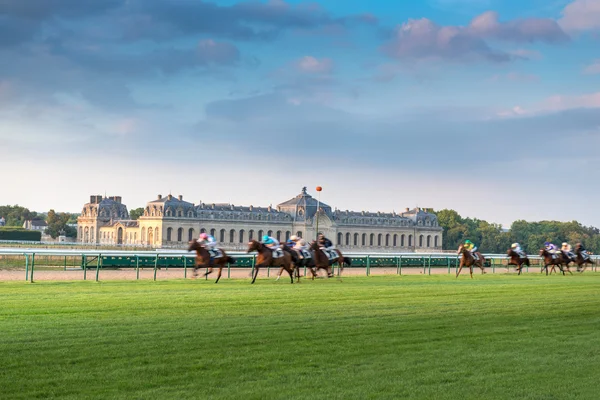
x,y
521,254
277,253
215,253
585,255
306,253
331,253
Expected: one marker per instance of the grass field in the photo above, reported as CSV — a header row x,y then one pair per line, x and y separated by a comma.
x,y
409,337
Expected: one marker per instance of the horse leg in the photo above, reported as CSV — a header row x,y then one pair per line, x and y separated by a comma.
x,y
219,274
471,270
279,273
460,267
256,268
210,271
290,271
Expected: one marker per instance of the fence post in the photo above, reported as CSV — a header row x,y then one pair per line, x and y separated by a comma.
x,y
429,264
32,266
424,265
65,263
84,261
448,263
368,265
98,266
228,271
137,267
184,267
493,261
253,264
400,265
155,266
26,267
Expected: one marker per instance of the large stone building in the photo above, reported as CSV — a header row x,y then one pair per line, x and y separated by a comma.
x,y
171,222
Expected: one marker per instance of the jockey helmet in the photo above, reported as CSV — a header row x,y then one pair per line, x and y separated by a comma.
x,y
467,241
565,244
294,238
515,245
203,236
266,238
547,244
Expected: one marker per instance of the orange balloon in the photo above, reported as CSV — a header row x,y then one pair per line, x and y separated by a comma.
x,y
319,188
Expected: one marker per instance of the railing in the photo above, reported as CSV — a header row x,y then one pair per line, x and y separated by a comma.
x,y
97,260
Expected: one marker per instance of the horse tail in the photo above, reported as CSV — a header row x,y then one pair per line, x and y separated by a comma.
x,y
230,260
347,261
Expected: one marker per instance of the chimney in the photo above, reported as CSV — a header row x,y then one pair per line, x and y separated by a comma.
x,y
180,198
160,197
93,199
118,199
170,197
407,209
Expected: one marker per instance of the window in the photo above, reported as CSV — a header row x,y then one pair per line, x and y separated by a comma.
x,y
387,240
191,234
402,239
270,233
364,239
232,236
299,234
250,235
260,235
222,236
180,234
279,236
436,241
410,240
348,239
379,239
420,240
372,239
340,237
169,234
356,239
242,236
202,230
428,240
213,232
288,234
395,241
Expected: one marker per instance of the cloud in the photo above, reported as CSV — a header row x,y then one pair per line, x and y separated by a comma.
x,y
312,65
593,68
557,104
424,39
581,15
515,77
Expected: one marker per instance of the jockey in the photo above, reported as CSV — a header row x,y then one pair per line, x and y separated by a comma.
x,y
271,243
517,249
471,248
325,245
209,243
300,245
568,250
550,248
584,254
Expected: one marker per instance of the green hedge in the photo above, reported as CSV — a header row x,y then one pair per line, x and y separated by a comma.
x,y
20,234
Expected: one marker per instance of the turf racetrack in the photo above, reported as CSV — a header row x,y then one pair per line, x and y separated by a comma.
x,y
415,337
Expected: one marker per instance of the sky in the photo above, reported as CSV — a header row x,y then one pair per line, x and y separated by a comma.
x,y
488,107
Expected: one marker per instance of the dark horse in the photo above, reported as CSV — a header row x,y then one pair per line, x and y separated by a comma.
x,y
516,259
581,260
203,260
265,259
467,260
323,262
295,260
558,261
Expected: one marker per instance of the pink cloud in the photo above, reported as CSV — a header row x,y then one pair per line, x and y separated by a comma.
x,y
312,65
556,103
581,15
487,25
593,68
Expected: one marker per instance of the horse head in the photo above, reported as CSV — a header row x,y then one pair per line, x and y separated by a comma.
x,y
461,249
543,252
253,245
314,245
193,245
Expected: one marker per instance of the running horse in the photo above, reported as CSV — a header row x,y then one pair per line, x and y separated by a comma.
x,y
265,259
203,260
324,262
550,260
295,260
581,259
467,260
516,259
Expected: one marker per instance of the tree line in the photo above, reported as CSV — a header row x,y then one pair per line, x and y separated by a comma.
x,y
492,238
58,223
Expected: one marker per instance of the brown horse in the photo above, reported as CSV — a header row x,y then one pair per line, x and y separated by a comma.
x,y
516,259
550,260
203,260
298,262
265,259
467,260
580,260
324,262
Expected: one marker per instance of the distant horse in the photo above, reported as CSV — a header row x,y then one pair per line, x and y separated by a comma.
x,y
307,262
467,260
324,262
550,260
582,260
265,259
203,259
516,259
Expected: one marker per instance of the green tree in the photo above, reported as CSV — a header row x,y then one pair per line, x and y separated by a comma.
x,y
136,213
57,225
16,215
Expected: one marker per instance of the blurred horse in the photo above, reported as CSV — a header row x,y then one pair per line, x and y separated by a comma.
x,y
265,259
467,260
516,259
324,262
203,259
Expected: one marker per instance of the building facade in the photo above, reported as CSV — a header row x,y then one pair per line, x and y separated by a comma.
x,y
170,222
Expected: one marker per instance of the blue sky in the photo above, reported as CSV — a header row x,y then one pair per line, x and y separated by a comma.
x,y
485,106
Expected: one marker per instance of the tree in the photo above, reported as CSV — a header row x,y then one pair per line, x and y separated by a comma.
x,y
136,213
57,225
16,215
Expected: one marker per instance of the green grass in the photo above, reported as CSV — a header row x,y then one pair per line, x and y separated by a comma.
x,y
410,337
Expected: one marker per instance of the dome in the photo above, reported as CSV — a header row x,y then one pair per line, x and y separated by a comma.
x,y
303,206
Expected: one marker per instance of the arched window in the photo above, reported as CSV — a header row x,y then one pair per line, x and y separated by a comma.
x,y
143,237
402,240
340,237
213,232
242,236
364,239
270,233
428,240
410,240
260,235
387,240
250,235
420,240
87,234
348,239
222,236
395,241
191,234
372,239
279,236
81,233
436,241
180,234
232,236
379,239
202,230
150,236
156,235
299,234
356,239
169,234
288,235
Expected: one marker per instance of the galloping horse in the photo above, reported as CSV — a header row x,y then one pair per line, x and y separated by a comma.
x,y
580,260
265,259
467,260
516,259
549,260
324,262
203,260
295,260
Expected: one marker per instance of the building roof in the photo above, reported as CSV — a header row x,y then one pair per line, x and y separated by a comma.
x,y
304,206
